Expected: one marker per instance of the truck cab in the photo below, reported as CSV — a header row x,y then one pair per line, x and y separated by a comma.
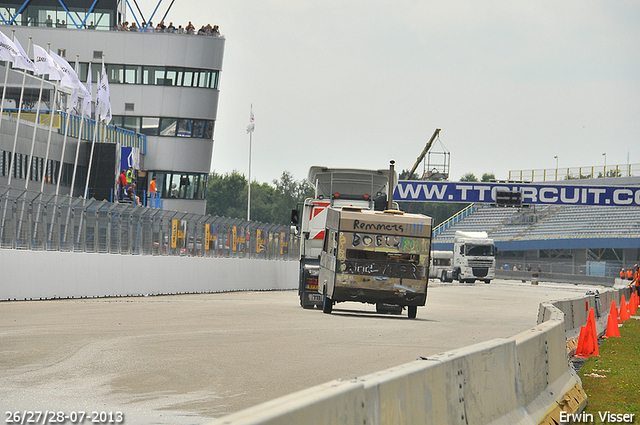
x,y
473,257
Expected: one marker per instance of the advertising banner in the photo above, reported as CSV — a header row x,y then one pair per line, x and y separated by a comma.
x,y
532,194
129,157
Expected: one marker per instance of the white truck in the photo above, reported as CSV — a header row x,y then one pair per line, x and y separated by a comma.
x,y
474,258
334,187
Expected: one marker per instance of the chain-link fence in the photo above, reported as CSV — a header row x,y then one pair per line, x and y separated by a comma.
x,y
46,222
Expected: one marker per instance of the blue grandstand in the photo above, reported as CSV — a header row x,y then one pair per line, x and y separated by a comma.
x,y
569,234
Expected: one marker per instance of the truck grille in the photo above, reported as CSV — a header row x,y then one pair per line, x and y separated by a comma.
x,y
480,263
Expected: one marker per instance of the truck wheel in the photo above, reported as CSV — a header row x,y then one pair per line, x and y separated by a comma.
x,y
413,311
443,276
327,304
487,281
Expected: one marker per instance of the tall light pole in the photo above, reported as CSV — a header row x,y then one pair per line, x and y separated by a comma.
x,y
556,158
604,174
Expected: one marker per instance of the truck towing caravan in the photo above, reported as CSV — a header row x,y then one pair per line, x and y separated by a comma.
x,y
441,265
334,187
376,257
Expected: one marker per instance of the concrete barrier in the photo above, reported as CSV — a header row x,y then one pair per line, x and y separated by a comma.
x,y
45,275
578,279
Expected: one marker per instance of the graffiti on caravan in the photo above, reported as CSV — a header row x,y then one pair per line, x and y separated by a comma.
x,y
422,191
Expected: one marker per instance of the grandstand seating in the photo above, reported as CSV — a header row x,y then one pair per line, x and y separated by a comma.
x,y
549,222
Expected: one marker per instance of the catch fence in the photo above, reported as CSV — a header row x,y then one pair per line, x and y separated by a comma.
x,y
46,222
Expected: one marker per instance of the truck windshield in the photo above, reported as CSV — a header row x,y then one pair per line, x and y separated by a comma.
x,y
480,250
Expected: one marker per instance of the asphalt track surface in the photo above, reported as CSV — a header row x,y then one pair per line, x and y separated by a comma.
x,y
187,359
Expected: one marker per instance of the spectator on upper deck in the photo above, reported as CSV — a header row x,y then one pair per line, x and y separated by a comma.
x,y
171,28
48,22
190,28
133,27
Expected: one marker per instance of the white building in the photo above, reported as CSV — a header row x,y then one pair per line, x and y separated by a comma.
x,y
163,85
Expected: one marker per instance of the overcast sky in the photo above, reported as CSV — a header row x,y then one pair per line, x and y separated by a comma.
x,y
346,83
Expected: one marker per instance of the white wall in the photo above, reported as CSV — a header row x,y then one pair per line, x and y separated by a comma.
x,y
43,275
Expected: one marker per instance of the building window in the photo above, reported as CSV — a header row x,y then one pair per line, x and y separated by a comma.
x,y
150,126
168,126
171,127
172,185
153,75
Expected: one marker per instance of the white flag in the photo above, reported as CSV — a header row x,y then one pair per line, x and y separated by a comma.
x,y
252,122
86,103
13,52
45,64
103,95
23,60
98,106
69,77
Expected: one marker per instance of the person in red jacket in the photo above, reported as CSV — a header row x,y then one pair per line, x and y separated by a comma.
x,y
122,180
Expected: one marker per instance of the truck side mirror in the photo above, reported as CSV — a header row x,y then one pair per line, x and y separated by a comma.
x,y
294,217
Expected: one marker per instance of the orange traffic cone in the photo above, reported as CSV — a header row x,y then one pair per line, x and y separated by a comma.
x,y
589,346
580,352
612,322
624,313
593,331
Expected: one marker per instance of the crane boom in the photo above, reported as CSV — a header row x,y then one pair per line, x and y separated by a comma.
x,y
424,152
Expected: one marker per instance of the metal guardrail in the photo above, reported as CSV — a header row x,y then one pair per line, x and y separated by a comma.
x,y
453,219
575,173
105,133
46,222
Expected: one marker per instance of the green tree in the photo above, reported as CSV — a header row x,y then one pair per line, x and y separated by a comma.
x,y
404,175
227,195
262,202
469,177
288,193
487,177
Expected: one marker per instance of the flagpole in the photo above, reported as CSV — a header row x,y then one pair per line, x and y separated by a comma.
x,y
53,116
4,91
95,132
64,139
35,129
249,190
12,165
75,163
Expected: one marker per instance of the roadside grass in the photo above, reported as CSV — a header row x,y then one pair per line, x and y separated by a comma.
x,y
612,380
